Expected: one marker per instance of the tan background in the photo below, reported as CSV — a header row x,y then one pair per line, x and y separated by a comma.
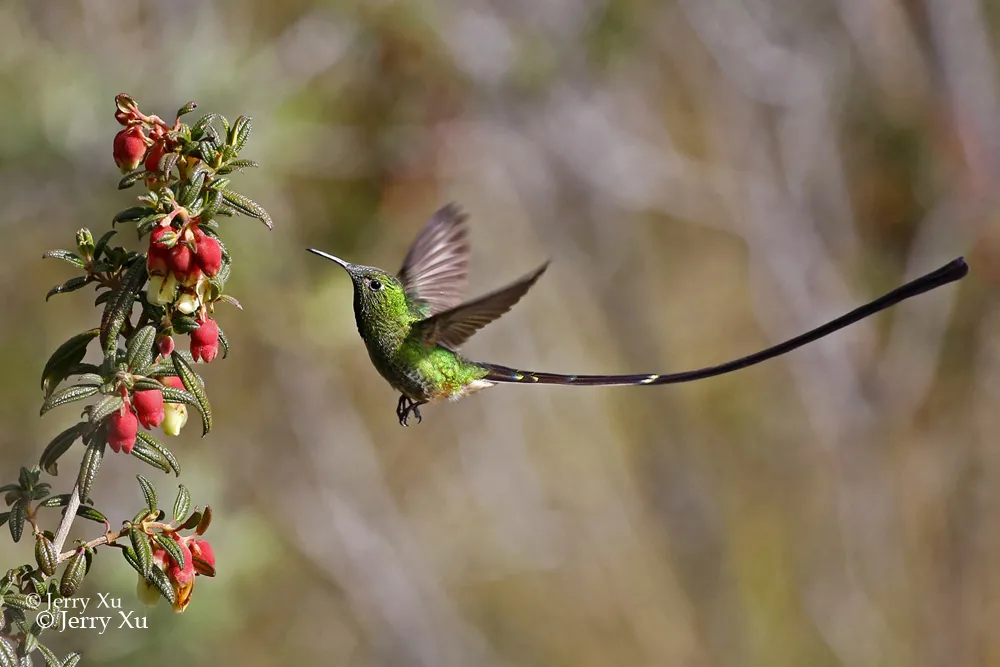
x,y
708,177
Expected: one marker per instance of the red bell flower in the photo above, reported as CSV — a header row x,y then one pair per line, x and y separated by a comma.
x,y
123,426
205,340
149,406
129,148
208,252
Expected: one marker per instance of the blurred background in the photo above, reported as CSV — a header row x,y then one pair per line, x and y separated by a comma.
x,y
708,176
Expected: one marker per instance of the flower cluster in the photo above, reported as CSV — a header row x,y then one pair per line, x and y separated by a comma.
x,y
198,558
141,382
146,407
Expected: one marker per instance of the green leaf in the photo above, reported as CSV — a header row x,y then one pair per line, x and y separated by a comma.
x,y
148,492
196,180
143,439
59,445
45,554
50,658
146,225
67,395
194,386
92,459
159,579
142,549
59,500
139,351
119,308
170,545
102,242
167,163
238,165
19,601
90,513
66,256
71,285
107,407
212,204
8,658
187,108
184,324
132,214
240,132
199,128
4,517
131,179
133,560
247,206
182,504
74,573
18,513
150,456
71,660
193,520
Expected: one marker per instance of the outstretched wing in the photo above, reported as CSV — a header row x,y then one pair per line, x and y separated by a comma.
x,y
435,270
453,327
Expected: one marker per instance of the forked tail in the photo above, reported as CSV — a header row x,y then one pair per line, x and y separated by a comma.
x,y
950,272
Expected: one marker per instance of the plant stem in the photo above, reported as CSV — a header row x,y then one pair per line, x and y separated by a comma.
x,y
67,521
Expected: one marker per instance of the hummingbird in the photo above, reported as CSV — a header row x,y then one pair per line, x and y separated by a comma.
x,y
414,322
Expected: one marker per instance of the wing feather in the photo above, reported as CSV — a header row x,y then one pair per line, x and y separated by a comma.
x,y
451,328
435,271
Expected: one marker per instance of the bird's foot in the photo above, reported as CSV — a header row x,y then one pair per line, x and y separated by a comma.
x,y
406,407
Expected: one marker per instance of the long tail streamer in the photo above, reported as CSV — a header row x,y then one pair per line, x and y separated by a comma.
x,y
950,272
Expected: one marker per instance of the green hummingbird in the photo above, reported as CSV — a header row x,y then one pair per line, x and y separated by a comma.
x,y
414,322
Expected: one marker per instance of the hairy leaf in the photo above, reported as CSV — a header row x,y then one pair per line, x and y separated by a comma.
x,y
71,285
170,545
92,459
148,492
247,206
139,351
66,256
107,407
194,386
119,307
59,445
65,358
67,395
153,450
182,504
143,550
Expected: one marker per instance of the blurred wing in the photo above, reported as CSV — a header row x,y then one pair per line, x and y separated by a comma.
x,y
435,270
453,327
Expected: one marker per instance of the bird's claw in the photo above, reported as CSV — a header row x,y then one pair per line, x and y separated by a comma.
x,y
405,407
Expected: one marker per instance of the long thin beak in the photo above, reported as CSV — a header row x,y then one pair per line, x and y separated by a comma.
x,y
330,257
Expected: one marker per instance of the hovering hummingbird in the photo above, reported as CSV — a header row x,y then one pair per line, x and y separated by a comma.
x,y
413,323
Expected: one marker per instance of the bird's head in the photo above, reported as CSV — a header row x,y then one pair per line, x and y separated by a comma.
x,y
378,295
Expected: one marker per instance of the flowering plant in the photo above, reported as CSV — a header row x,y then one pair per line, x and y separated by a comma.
x,y
142,380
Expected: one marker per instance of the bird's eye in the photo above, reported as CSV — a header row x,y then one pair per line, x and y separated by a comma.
x,y
375,285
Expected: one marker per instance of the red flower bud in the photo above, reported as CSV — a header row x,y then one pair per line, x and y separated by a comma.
x,y
208,253
181,261
122,429
205,341
165,344
158,255
153,158
129,148
149,405
122,117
